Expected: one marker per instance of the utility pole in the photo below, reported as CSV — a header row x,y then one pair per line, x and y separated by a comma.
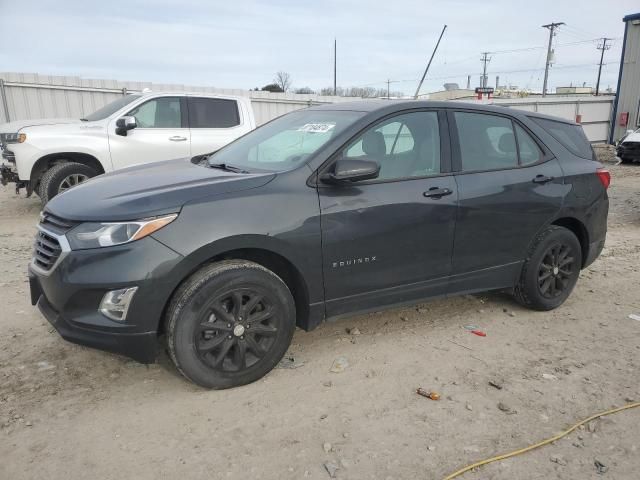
x,y
429,64
552,27
388,83
603,46
335,64
485,59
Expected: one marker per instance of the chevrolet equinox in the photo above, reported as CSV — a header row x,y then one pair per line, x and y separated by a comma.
x,y
323,212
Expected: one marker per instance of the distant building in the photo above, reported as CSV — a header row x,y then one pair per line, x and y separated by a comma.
x,y
626,109
574,90
455,94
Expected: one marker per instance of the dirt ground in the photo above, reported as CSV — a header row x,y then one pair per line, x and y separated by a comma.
x,y
68,412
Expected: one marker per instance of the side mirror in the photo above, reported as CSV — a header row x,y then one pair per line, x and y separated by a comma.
x,y
352,170
124,124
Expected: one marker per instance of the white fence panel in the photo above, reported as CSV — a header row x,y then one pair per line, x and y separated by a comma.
x,y
595,112
30,96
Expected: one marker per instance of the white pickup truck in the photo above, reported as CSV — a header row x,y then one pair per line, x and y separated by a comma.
x,y
52,155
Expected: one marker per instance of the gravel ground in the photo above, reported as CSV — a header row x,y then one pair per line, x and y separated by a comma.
x,y
72,412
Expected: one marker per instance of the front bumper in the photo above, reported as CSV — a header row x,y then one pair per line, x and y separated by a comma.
x,y
69,295
628,150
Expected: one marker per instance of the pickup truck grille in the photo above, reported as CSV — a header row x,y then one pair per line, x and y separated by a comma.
x,y
629,150
46,250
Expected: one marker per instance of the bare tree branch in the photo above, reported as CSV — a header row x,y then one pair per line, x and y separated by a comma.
x,y
283,80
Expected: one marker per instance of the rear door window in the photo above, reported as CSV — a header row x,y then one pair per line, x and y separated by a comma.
x,y
571,137
213,113
530,152
487,142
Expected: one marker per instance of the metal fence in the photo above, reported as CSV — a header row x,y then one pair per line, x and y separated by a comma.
x,y
594,113
30,96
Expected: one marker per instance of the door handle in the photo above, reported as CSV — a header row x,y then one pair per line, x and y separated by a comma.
x,y
542,179
437,192
177,138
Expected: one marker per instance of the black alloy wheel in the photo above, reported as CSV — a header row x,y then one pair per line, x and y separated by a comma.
x,y
229,323
556,270
551,269
237,329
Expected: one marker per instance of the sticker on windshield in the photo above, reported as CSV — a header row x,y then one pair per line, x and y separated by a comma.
x,y
317,127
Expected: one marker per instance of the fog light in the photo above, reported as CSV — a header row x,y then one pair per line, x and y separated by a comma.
x,y
115,303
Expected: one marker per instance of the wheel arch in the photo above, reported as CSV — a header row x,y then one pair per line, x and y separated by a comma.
x,y
44,162
579,229
268,258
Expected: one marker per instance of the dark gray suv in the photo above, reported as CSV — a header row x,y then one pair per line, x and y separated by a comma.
x,y
323,212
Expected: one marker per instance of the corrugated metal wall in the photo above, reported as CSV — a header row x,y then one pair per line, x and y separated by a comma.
x,y
595,111
29,96
629,88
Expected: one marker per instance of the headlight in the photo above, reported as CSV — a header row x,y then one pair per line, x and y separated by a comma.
x,y
95,235
14,137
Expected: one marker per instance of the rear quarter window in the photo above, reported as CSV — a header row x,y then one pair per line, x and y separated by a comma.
x,y
571,137
213,113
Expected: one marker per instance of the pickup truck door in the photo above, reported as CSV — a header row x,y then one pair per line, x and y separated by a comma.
x,y
214,122
162,133
390,240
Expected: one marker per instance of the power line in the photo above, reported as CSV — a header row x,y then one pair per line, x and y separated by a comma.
x,y
464,74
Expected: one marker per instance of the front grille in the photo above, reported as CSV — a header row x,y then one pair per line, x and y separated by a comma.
x,y
47,250
629,147
9,156
56,224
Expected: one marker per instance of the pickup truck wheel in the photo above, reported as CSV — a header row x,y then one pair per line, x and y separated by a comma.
x,y
551,269
229,324
61,177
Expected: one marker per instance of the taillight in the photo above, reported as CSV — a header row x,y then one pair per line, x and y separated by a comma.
x,y
604,176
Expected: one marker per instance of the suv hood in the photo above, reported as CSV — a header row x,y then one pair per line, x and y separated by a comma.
x,y
148,190
13,127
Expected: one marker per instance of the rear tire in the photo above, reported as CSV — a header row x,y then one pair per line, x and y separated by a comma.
x,y
61,177
229,324
551,269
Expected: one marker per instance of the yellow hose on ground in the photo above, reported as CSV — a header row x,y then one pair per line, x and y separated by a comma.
x,y
540,444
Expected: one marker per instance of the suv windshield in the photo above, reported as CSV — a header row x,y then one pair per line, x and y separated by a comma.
x,y
286,142
111,108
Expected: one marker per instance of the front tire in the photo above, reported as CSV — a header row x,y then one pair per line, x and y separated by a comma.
x,y
229,324
61,177
551,269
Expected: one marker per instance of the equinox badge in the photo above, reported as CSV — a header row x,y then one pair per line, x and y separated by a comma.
x,y
353,261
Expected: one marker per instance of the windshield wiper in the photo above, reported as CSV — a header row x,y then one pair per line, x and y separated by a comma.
x,y
227,167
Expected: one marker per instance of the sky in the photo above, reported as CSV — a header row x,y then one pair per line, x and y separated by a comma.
x,y
242,44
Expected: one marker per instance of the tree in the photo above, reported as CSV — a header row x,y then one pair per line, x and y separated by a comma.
x,y
283,80
306,90
329,91
272,87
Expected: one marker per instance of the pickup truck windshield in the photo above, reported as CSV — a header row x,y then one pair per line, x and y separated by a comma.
x,y
286,142
111,108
